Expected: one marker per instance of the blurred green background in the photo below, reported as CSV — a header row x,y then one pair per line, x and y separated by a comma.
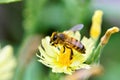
x,y
22,24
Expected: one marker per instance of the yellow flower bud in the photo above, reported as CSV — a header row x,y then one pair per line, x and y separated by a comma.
x,y
105,38
96,24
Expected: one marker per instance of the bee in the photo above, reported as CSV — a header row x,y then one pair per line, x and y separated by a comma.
x,y
67,41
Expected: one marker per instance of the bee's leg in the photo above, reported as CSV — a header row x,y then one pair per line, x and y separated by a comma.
x,y
71,51
63,48
71,56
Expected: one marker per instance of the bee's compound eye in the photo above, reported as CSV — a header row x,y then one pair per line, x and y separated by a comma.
x,y
55,37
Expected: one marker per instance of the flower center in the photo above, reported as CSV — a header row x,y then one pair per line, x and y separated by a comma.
x,y
64,57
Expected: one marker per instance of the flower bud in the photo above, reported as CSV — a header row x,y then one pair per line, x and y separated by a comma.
x,y
96,24
105,38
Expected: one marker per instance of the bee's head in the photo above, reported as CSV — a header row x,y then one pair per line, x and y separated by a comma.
x,y
53,38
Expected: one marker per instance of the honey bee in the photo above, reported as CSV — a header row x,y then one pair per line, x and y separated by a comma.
x,y
67,41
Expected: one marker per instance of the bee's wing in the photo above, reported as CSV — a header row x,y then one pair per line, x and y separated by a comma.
x,y
77,27
73,32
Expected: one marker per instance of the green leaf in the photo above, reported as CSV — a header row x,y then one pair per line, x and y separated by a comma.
x,y
8,1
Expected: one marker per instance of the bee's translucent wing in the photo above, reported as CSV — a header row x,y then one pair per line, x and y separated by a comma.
x,y
74,31
77,27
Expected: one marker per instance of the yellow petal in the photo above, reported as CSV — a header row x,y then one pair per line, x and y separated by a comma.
x,y
89,44
96,24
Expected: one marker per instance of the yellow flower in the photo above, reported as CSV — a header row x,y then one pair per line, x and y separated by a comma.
x,y
59,60
68,60
7,63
